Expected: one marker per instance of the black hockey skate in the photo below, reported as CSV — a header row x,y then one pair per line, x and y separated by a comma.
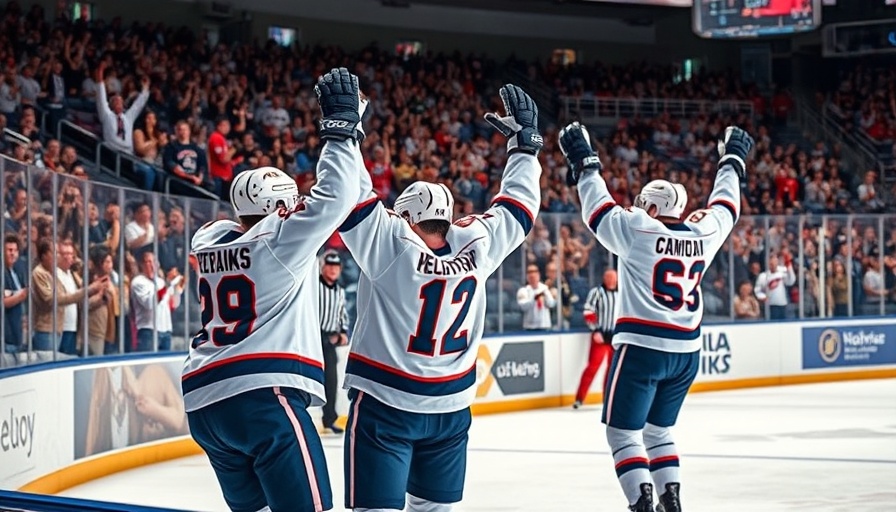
x,y
669,500
645,502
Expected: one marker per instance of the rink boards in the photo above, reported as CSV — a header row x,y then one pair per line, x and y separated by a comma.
x,y
62,424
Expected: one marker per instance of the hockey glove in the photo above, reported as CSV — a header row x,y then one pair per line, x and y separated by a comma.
x,y
733,150
575,143
341,105
520,126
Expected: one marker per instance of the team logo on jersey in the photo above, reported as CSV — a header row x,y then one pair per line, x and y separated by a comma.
x,y
829,345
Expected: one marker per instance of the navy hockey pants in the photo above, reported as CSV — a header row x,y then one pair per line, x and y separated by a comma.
x,y
390,452
265,451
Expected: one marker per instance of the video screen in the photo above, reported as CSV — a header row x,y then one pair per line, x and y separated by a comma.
x,y
741,19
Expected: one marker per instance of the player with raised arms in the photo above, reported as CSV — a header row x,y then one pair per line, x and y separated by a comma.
x,y
256,365
662,259
411,373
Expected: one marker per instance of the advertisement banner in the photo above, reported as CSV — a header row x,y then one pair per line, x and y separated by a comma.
x,y
31,410
519,368
121,406
849,345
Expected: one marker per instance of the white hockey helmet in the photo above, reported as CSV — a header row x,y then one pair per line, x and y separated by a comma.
x,y
425,201
262,191
670,199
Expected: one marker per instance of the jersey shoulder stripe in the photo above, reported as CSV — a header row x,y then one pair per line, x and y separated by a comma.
x,y
358,214
518,210
599,214
251,364
403,381
728,205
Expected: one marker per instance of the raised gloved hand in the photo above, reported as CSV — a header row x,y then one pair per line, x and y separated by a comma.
x,y
520,125
341,105
734,148
575,143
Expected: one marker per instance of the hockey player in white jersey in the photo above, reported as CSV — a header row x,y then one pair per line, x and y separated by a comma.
x,y
257,364
411,372
657,337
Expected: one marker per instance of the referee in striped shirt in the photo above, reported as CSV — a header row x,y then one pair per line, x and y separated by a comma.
x,y
333,332
600,315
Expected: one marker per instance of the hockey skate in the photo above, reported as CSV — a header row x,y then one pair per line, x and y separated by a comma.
x,y
645,502
669,500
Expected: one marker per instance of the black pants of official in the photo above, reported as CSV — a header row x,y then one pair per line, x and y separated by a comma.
x,y
331,378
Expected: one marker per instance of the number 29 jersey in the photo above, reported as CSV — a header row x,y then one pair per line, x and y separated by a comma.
x,y
661,265
421,313
259,293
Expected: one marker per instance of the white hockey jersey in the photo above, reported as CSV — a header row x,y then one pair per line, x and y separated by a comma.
x,y
259,293
661,265
772,285
421,313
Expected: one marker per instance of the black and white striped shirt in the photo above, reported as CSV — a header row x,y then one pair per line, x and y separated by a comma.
x,y
603,303
333,315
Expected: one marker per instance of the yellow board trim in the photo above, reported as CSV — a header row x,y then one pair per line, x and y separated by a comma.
x,y
104,465
130,458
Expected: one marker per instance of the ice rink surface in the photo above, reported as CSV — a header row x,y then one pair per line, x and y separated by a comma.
x,y
818,447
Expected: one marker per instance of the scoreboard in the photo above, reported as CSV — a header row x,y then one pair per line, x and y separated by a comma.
x,y
739,19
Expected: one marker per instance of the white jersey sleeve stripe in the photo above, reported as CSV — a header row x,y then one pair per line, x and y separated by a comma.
x,y
251,364
725,204
656,329
599,214
358,214
518,210
394,378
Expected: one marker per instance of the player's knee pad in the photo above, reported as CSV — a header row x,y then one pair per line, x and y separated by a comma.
x,y
618,438
416,504
656,436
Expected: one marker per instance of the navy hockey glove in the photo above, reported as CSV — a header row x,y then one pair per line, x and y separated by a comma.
x,y
575,143
520,126
341,105
733,150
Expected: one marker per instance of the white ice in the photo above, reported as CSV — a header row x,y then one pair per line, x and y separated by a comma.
x,y
820,447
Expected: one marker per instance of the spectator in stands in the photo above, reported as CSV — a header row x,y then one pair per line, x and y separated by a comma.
x,y
15,292
838,291
222,157
380,170
873,279
745,304
9,96
559,288
118,123
149,143
29,88
868,195
140,233
536,301
48,281
54,101
152,300
274,119
68,160
102,322
50,156
771,286
183,158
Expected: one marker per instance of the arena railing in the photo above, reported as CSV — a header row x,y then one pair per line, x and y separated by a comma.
x,y
62,208
592,109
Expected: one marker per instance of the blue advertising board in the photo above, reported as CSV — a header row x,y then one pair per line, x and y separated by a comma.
x,y
851,345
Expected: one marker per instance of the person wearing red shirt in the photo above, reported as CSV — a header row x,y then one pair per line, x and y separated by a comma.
x,y
380,169
221,158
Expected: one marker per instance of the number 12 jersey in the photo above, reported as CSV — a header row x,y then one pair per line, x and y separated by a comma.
x,y
421,313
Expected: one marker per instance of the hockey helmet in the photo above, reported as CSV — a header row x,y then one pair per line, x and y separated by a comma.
x,y
425,201
262,191
670,199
